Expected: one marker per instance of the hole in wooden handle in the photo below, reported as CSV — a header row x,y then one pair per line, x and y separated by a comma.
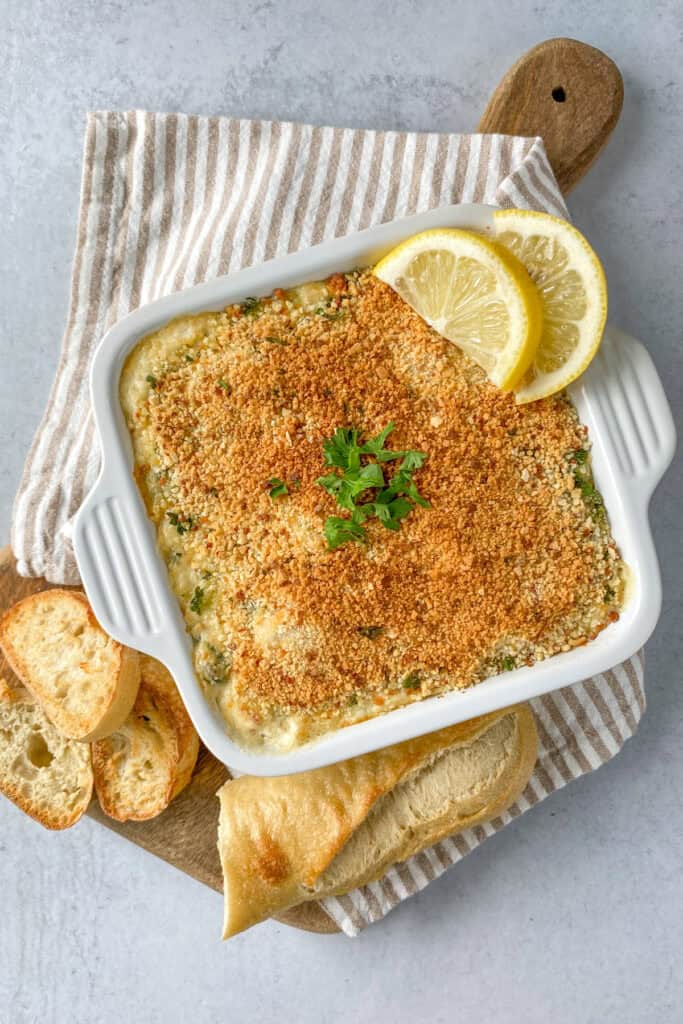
x,y
559,71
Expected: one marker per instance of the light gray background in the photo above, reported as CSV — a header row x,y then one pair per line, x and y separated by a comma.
x,y
573,914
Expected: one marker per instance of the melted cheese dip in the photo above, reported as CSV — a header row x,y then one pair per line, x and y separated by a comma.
x,y
513,562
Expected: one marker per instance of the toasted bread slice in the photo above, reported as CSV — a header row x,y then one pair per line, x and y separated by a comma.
x,y
156,676
48,776
142,766
457,787
85,681
283,841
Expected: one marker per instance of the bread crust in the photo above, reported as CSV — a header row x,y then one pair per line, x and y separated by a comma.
x,y
52,811
112,698
187,738
512,785
277,836
158,728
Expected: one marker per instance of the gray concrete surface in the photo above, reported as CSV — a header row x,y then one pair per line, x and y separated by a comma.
x,y
571,915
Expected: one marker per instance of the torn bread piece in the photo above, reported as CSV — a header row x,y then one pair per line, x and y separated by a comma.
x,y
286,840
85,681
150,758
46,775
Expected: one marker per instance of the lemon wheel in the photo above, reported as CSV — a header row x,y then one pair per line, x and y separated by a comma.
x,y
473,292
573,294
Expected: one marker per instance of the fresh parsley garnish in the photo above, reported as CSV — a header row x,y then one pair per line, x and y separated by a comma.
x,y
224,385
578,459
340,531
370,632
508,663
579,456
197,601
328,313
218,667
277,487
591,496
183,524
391,501
151,380
251,306
411,681
348,487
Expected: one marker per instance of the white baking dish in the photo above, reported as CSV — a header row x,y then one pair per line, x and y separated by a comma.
x,y
620,398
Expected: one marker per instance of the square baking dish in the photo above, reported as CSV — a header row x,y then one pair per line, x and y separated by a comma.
x,y
620,398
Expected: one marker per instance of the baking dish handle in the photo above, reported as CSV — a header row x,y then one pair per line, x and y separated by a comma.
x,y
628,396
121,576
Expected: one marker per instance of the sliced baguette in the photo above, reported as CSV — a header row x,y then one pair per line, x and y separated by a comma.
x,y
46,775
142,766
85,681
283,841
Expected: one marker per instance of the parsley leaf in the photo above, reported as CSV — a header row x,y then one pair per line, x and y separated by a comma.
x,y
151,380
251,306
339,531
278,488
197,601
217,669
348,487
375,446
392,502
411,681
329,313
591,496
370,632
412,461
508,663
391,514
183,524
342,449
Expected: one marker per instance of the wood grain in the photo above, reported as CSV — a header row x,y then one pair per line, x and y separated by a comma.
x,y
567,92
185,834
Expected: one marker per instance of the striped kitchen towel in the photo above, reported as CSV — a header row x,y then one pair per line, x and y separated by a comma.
x,y
169,200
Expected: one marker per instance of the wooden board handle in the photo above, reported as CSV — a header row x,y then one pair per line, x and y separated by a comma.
x,y
567,92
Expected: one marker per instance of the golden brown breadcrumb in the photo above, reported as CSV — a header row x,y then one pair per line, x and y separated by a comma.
x,y
510,564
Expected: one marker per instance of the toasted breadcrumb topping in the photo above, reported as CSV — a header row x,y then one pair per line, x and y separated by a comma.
x,y
513,561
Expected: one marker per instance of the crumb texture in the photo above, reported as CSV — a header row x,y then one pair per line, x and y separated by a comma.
x,y
48,776
512,563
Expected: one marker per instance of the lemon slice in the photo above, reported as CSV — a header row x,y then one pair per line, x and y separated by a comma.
x,y
474,293
571,285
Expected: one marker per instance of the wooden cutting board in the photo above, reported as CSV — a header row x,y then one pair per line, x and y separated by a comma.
x,y
570,94
185,834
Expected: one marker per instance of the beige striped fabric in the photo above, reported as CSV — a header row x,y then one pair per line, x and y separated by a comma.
x,y
169,200
580,728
